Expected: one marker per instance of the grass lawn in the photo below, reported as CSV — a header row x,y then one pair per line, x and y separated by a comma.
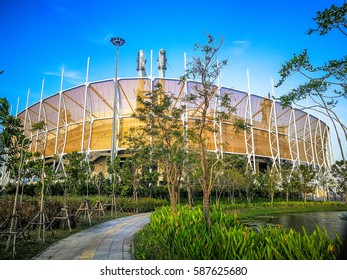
x,y
263,209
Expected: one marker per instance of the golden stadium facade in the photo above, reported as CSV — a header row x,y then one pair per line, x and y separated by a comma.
x,y
81,119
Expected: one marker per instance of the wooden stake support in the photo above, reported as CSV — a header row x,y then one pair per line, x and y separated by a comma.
x,y
111,201
42,222
17,230
84,210
63,216
98,208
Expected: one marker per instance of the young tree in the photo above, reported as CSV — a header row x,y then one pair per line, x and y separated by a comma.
x,y
12,139
286,176
100,183
114,168
191,176
326,84
77,172
272,183
161,137
235,175
306,175
39,128
325,182
206,69
14,144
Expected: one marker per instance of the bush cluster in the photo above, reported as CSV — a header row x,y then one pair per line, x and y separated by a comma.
x,y
30,206
185,236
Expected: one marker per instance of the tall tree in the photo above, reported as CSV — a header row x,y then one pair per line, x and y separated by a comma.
x,y
325,85
272,183
14,143
40,127
161,137
206,69
306,175
286,176
77,172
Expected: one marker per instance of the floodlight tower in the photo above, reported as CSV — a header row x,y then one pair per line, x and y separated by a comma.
x,y
116,41
162,63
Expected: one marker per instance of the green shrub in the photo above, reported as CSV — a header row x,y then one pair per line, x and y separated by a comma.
x,y
30,206
185,236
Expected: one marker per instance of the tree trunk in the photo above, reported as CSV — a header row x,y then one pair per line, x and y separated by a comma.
x,y
206,209
189,191
233,196
287,196
173,199
217,198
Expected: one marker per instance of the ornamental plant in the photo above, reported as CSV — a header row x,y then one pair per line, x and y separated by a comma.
x,y
184,236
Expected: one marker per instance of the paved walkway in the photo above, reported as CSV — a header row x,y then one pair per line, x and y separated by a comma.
x,y
111,240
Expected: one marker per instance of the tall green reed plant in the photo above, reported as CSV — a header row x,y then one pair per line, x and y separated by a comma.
x,y
185,236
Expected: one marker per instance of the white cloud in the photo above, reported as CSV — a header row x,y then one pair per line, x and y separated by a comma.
x,y
101,40
239,47
71,76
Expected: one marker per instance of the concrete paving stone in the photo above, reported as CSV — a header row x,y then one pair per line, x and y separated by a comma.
x,y
110,240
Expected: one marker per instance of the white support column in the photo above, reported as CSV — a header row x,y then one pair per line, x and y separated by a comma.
x,y
27,119
26,110
217,125
293,139
273,133
319,147
185,117
249,135
310,147
296,140
151,72
325,143
56,152
330,149
151,90
85,108
307,142
17,106
39,115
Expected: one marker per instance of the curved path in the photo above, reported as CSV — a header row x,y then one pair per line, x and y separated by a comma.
x,y
111,240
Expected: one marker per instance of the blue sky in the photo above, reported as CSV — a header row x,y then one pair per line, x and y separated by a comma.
x,y
39,37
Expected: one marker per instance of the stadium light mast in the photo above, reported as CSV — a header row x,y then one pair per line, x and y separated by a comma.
x,y
116,41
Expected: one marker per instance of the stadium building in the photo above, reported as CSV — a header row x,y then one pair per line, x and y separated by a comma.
x,y
81,119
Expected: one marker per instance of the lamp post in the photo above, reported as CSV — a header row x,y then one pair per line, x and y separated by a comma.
x,y
116,41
